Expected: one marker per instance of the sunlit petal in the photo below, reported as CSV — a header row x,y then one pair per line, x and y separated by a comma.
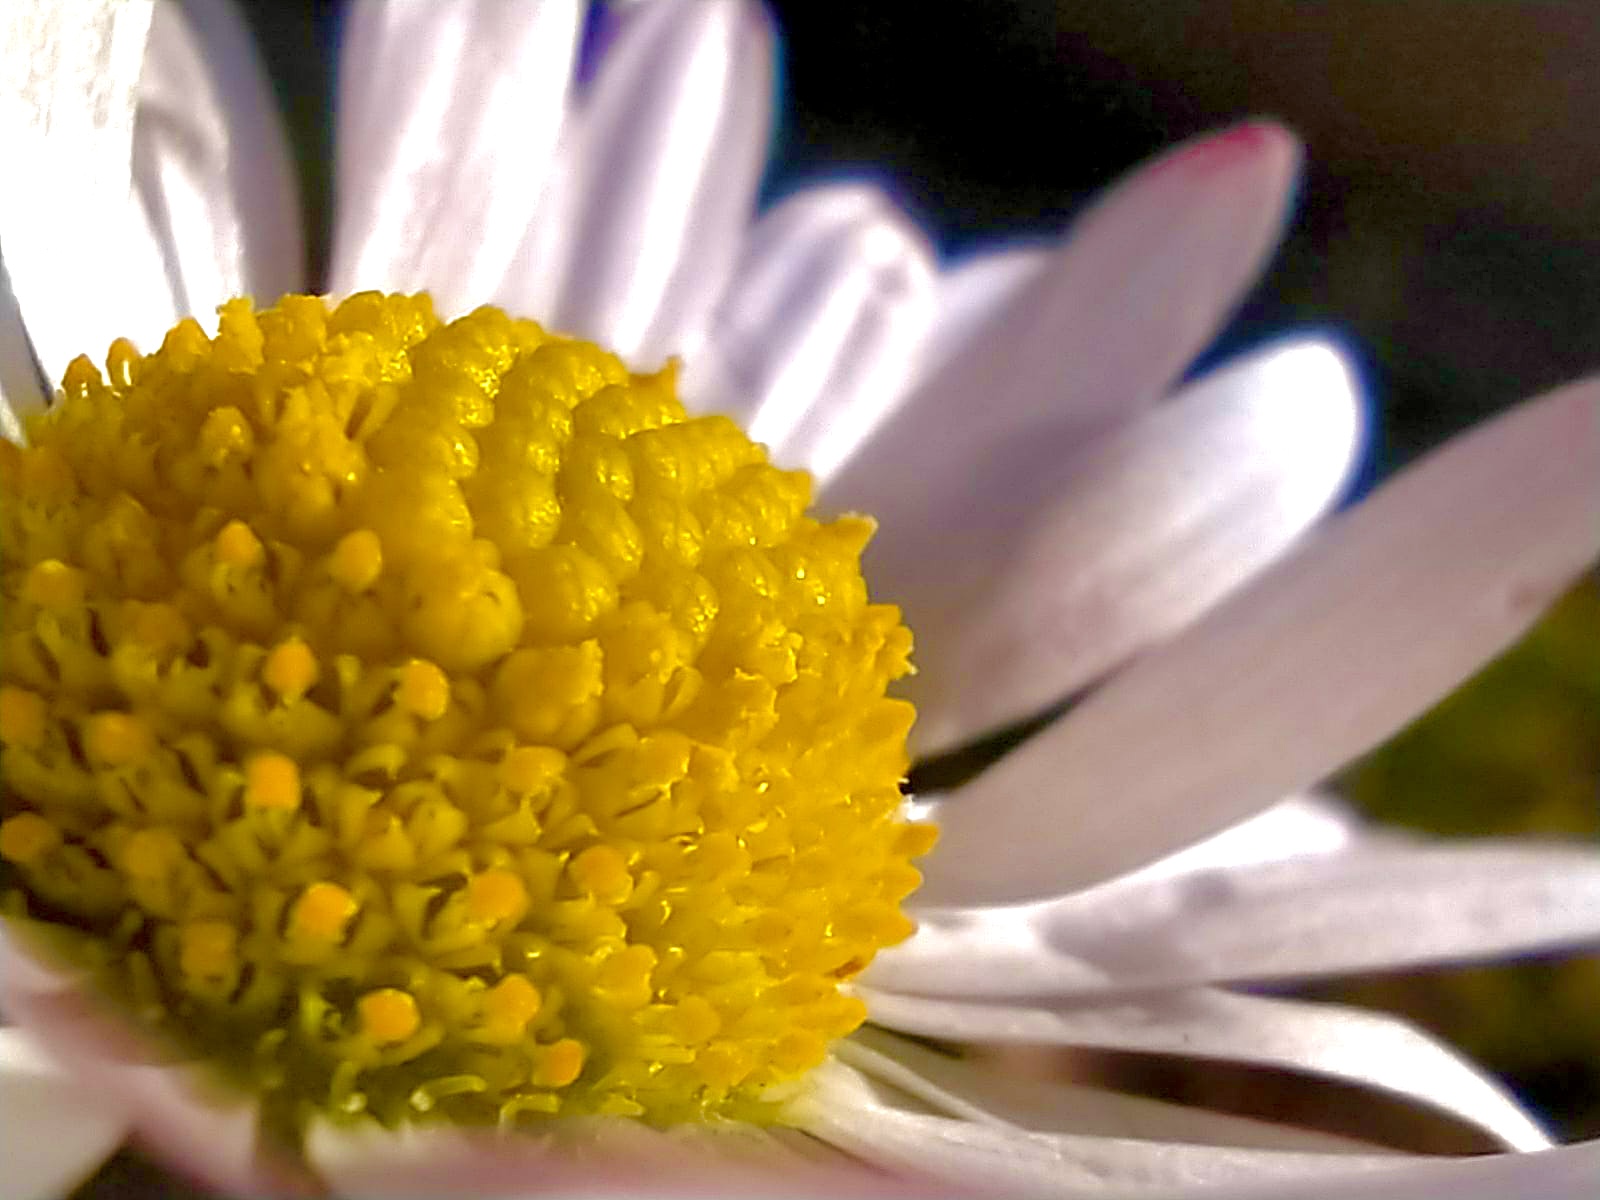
x,y
666,158
1071,563
1380,614
1319,1039
449,115
67,108
820,324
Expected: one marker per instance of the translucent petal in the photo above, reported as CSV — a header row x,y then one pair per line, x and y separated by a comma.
x,y
1070,563
989,1093
1319,1039
69,76
1138,287
820,324
972,295
1002,1160
210,165
449,115
1378,615
666,159
55,1131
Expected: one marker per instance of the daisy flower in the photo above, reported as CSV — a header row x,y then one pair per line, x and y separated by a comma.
x,y
442,726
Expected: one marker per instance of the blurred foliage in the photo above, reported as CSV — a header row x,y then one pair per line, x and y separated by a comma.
x,y
1516,751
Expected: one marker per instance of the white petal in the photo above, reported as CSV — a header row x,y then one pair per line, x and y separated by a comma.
x,y
1001,1160
1321,1039
209,1131
601,1157
210,165
54,1131
82,261
1139,286
973,294
1049,948
449,114
1300,918
1073,563
1382,612
989,1093
21,388
1334,915
820,324
1561,1173
666,162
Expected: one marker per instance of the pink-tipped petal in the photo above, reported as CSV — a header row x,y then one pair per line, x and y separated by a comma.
x,y
54,1130
83,262
820,324
1141,283
1381,613
210,164
667,155
449,115
1345,1044
1073,563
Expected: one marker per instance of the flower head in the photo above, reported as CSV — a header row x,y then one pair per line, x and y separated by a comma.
x,y
362,536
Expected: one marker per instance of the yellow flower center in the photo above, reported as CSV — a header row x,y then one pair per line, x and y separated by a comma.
x,y
433,719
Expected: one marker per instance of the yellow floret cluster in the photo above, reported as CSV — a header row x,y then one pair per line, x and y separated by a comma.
x,y
432,720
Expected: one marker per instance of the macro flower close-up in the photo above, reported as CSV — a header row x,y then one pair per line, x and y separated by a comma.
x,y
456,714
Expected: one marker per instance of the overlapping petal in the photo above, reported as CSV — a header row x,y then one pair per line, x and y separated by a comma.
x,y
449,113
1380,614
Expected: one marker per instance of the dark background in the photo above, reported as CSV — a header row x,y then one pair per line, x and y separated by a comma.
x,y
1448,230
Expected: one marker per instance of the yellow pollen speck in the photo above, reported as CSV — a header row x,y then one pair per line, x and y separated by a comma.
x,y
496,896
208,949
603,873
388,1015
238,546
22,717
357,560
27,837
290,670
423,690
272,781
53,584
117,739
510,1004
435,721
323,911
560,1063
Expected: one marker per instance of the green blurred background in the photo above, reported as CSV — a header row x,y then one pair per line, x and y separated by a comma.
x,y
1448,231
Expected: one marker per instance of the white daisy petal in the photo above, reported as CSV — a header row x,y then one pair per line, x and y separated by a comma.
x,y
1297,918
668,153
68,212
21,389
819,325
1138,287
990,1093
1381,613
1320,1039
1562,1173
55,1131
999,1159
449,115
1071,566
209,161
1335,915
973,294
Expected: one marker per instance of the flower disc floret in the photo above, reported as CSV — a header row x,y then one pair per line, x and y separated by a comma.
x,y
432,720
